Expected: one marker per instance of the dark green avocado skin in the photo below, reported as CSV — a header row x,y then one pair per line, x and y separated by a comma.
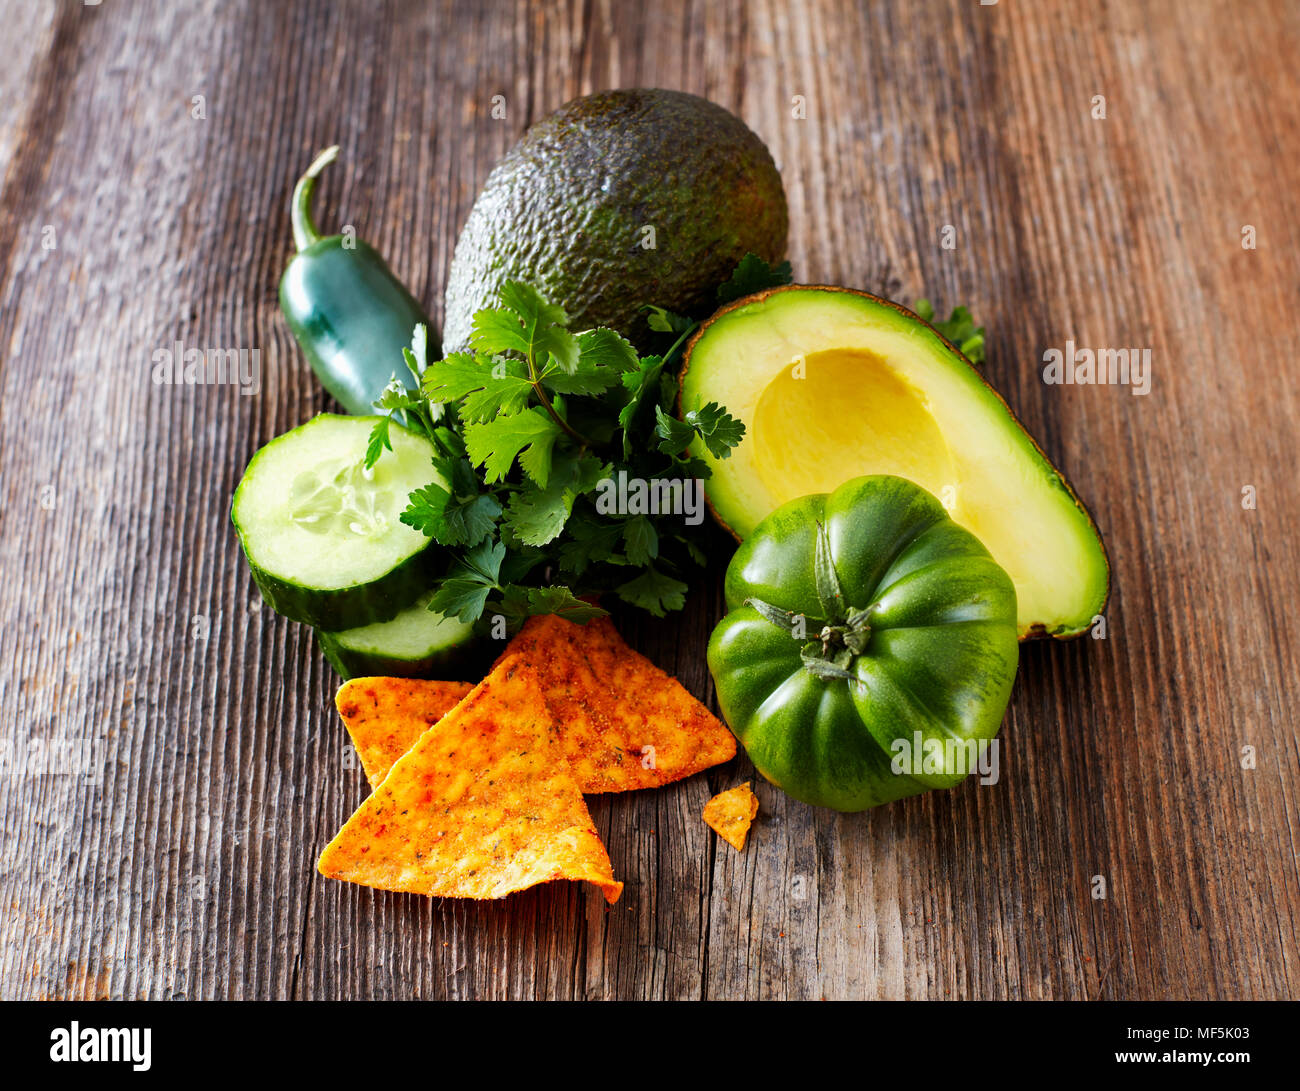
x,y
565,209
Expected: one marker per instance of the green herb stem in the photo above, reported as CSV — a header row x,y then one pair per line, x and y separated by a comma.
x,y
535,379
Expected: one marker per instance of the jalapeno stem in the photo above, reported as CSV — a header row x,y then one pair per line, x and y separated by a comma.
x,y
304,228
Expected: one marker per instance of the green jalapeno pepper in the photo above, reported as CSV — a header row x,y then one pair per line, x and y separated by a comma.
x,y
351,316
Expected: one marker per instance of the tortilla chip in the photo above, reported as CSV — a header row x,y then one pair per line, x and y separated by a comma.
x,y
480,807
730,813
625,723
385,716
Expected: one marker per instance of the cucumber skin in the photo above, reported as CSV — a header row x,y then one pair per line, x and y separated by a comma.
x,y
461,661
351,607
340,608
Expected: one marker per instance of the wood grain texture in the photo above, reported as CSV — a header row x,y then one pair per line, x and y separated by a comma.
x,y
182,865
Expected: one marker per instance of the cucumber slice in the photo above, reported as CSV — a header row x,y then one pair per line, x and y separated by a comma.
x,y
321,532
415,644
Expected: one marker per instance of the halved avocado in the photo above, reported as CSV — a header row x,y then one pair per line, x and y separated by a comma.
x,y
834,383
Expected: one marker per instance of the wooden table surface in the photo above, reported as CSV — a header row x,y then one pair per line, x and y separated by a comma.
x,y
172,761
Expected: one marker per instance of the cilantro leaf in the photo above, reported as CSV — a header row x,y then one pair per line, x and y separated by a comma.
x,y
676,435
454,376
449,444
534,312
668,386
696,554
457,517
637,383
603,347
521,602
519,562
642,540
664,321
719,430
590,541
529,436
464,593
527,324
559,405
604,357
484,561
536,515
424,510
494,331
396,396
653,591
560,345
752,275
959,328
379,441
486,387
581,382
471,520
461,598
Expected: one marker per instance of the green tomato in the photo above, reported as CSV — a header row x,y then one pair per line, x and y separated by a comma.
x,y
870,646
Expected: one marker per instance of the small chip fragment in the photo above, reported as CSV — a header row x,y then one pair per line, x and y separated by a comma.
x,y
479,808
731,812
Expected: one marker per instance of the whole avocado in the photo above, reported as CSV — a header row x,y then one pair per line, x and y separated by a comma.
x,y
619,199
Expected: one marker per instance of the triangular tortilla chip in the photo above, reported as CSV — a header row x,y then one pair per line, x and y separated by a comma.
x,y
480,807
385,716
730,813
625,723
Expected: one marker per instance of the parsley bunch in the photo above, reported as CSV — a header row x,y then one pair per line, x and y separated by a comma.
x,y
529,426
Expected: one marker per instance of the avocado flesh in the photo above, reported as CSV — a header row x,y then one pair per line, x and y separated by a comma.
x,y
568,207
832,384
